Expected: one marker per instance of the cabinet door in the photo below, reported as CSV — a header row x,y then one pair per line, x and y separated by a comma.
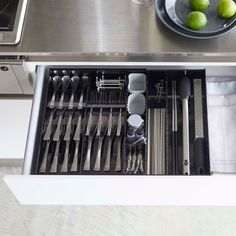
x,y
8,81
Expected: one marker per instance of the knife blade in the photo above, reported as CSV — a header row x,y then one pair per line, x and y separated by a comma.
x,y
199,142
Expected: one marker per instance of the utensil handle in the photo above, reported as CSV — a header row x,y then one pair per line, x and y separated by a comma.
x,y
118,158
49,127
58,129
45,157
186,159
52,102
108,157
71,103
199,156
64,167
174,152
129,161
55,159
80,106
74,165
87,159
61,102
98,158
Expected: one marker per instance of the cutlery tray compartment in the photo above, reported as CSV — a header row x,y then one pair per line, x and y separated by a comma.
x,y
166,90
83,127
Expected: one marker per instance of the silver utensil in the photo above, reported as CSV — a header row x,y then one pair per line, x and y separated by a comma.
x,y
110,134
174,129
84,82
47,138
75,80
43,165
90,133
139,163
185,93
65,83
56,82
101,132
119,137
57,139
129,159
76,138
105,84
55,158
199,142
133,160
67,138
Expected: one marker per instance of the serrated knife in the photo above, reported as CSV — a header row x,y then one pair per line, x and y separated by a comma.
x,y
199,142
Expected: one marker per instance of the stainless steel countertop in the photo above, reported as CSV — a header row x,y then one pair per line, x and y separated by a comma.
x,y
87,27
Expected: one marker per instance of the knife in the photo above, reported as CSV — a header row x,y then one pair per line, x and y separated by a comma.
x,y
199,142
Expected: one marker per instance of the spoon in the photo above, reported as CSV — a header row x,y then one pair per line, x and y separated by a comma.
x,y
83,87
56,82
74,84
65,83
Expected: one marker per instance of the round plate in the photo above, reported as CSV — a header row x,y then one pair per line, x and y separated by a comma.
x,y
161,13
178,10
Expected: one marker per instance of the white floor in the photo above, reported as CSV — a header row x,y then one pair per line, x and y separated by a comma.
x,y
17,220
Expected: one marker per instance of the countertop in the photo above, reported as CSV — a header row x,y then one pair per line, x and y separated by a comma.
x,y
108,27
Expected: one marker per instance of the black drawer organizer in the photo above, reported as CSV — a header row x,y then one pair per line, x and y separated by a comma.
x,y
83,124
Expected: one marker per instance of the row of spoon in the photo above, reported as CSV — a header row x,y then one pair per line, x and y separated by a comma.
x,y
62,84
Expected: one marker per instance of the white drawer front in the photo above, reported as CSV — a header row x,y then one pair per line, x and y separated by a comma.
x,y
124,190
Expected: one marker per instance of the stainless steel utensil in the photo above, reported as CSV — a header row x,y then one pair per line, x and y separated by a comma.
x,y
199,142
110,134
133,160
185,93
119,138
79,128
56,82
75,80
101,132
47,138
43,165
90,133
129,159
65,83
57,139
174,130
84,82
67,138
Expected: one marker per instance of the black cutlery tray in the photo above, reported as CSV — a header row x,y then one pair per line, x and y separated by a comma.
x,y
117,100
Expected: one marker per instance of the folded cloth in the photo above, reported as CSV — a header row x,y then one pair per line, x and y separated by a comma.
x,y
221,88
222,132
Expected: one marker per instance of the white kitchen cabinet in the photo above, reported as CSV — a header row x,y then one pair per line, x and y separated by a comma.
x,y
8,81
215,189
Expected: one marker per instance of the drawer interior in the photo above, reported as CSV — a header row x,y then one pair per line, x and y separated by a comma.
x,y
85,116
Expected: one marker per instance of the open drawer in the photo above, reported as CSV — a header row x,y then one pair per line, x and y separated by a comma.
x,y
119,136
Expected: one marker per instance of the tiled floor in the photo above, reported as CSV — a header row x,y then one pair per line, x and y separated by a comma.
x,y
17,220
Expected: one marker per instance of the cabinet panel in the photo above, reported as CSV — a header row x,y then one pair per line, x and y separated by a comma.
x,y
8,81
